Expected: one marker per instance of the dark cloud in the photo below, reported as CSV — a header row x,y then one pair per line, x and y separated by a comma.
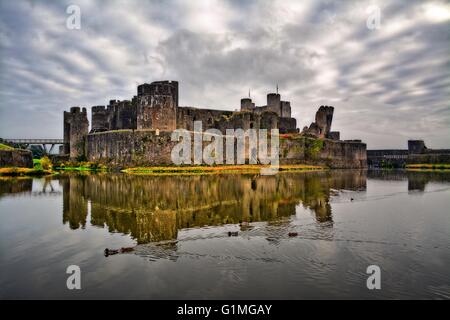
x,y
387,85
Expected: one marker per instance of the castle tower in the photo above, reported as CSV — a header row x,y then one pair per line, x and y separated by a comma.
x,y
416,146
285,109
274,103
99,119
76,127
247,104
157,105
324,119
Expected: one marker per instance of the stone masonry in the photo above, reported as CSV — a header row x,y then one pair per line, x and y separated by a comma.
x,y
76,128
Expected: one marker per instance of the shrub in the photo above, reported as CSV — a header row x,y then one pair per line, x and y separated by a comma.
x,y
46,163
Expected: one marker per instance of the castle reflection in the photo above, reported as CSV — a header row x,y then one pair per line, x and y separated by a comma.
x,y
155,208
417,180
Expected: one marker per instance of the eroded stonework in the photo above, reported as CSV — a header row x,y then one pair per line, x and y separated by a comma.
x,y
321,128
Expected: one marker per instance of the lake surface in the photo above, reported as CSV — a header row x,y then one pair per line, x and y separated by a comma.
x,y
180,229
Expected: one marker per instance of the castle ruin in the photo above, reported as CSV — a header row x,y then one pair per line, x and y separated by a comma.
x,y
155,107
137,131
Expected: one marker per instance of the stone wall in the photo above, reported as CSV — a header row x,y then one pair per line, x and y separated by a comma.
x,y
16,158
334,154
127,148
223,120
130,148
417,153
209,117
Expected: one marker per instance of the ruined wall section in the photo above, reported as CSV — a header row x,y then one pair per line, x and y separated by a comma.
x,y
321,128
331,153
148,148
16,158
223,120
209,117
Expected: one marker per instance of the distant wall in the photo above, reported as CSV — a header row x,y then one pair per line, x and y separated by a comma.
x,y
144,147
400,158
16,158
334,154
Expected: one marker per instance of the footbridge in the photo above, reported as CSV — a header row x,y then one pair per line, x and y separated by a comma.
x,y
47,144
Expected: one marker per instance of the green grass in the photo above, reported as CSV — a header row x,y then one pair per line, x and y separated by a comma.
x,y
5,147
428,167
18,172
80,166
37,164
223,169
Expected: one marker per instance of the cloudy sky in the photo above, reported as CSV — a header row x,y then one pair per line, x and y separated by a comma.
x,y
388,84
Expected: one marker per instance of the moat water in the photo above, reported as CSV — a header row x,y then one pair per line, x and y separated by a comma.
x,y
344,221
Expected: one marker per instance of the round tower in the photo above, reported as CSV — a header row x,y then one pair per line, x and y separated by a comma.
x,y
247,104
99,119
274,103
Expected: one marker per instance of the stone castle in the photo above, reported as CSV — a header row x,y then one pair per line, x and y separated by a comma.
x,y
136,131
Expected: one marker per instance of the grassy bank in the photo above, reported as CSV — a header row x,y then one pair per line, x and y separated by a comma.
x,y
44,166
428,167
80,166
5,147
225,169
41,167
19,172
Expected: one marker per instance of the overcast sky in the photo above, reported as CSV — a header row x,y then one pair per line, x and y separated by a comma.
x,y
387,85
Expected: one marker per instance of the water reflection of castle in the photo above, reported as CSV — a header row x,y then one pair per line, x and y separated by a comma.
x,y
155,208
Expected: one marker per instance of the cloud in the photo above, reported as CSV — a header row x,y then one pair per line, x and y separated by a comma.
x,y
387,85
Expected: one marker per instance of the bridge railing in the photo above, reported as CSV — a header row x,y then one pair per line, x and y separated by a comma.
x,y
36,141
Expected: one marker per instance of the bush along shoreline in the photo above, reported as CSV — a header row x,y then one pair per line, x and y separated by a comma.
x,y
44,166
428,167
